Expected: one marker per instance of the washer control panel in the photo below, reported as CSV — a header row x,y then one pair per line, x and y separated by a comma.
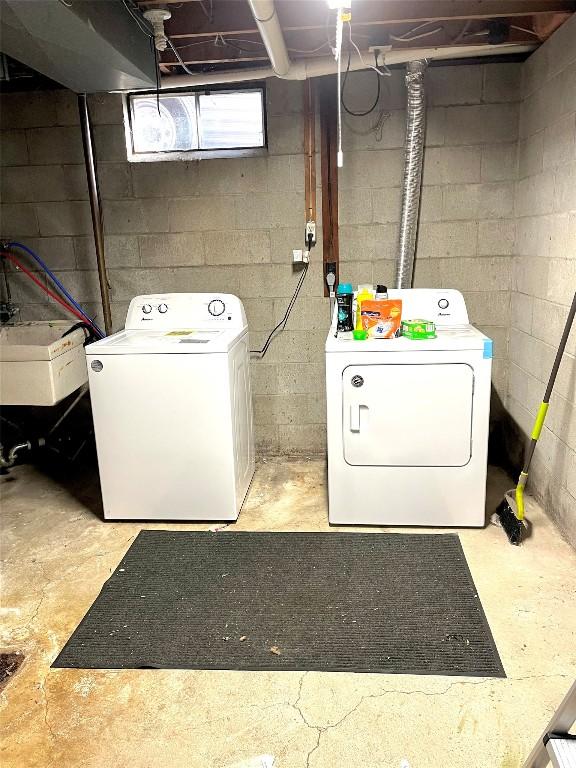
x,y
216,307
186,310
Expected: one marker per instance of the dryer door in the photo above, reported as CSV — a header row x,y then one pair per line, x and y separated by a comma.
x,y
408,415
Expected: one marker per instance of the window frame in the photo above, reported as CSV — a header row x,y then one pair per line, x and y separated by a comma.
x,y
194,154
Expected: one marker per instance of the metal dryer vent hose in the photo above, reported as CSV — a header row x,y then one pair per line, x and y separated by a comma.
x,y
412,180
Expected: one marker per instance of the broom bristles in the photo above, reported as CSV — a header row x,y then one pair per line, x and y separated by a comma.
x,y
513,527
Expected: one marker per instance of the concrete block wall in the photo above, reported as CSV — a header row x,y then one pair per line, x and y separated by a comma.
x,y
231,224
467,227
544,273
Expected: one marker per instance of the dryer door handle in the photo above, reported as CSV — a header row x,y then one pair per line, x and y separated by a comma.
x,y
355,417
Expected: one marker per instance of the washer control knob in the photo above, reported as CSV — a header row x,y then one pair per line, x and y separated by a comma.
x,y
147,308
162,308
216,307
443,303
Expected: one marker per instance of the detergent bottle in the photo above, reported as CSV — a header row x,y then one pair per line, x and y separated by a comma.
x,y
344,298
365,292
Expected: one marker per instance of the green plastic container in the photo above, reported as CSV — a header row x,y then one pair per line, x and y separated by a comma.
x,y
418,329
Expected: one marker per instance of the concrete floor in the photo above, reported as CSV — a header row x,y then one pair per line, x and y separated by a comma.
x,y
57,553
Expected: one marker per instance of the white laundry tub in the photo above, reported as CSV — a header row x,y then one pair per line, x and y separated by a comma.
x,y
37,365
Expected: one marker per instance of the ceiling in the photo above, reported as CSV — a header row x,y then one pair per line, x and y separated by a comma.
x,y
222,34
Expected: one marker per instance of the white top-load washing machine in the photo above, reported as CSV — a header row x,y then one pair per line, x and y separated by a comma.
x,y
172,407
408,420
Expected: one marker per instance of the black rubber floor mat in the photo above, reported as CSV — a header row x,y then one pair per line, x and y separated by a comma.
x,y
9,665
354,602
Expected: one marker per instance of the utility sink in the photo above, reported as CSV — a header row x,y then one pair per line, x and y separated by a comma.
x,y
37,365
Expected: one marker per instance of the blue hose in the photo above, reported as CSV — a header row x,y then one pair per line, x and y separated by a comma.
x,y
57,282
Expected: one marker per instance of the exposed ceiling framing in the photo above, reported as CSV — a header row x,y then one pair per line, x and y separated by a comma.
x,y
214,34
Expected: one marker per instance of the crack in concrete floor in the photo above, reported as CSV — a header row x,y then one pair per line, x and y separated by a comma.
x,y
337,718
397,692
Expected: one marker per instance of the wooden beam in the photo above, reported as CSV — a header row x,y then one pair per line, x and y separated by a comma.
x,y
401,11
312,44
233,17
212,50
449,34
547,23
446,37
440,39
328,151
209,19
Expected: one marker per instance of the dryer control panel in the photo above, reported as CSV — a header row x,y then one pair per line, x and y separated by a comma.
x,y
444,306
185,310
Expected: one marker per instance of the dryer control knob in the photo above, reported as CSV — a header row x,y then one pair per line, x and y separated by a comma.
x,y
216,307
147,308
162,308
443,303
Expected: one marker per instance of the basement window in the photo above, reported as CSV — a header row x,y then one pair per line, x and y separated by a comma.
x,y
191,124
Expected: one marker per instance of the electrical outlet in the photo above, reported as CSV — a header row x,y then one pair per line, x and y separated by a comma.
x,y
380,51
297,256
329,278
311,230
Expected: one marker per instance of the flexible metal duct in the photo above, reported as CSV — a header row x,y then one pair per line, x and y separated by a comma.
x,y
411,182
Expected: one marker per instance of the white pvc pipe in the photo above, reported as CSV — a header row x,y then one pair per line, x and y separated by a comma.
x,y
326,65
403,56
266,18
216,78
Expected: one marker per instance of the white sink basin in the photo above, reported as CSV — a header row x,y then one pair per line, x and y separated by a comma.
x,y
37,365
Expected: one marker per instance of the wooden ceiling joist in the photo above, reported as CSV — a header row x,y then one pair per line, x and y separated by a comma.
x,y
216,32
234,17
208,53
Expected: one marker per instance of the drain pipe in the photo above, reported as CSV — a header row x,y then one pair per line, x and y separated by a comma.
x,y
6,463
95,208
9,462
266,18
412,180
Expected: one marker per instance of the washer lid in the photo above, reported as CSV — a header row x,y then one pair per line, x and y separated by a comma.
x,y
176,341
463,337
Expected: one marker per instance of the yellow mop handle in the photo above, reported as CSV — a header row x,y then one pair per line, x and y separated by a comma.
x,y
538,424
520,495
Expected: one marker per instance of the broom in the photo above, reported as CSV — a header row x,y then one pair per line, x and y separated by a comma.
x,y
510,511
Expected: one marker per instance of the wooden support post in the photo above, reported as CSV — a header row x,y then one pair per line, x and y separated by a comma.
x,y
329,172
310,150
